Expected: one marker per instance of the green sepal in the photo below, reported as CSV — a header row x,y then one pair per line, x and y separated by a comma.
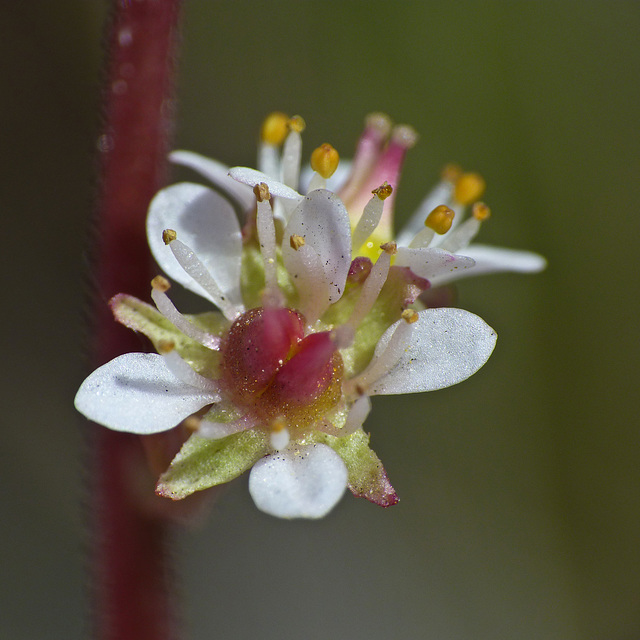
x,y
204,463
140,316
367,477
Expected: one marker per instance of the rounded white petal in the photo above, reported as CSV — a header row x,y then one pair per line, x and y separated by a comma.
x,y
446,347
137,393
432,263
497,259
305,482
322,220
218,174
207,224
252,177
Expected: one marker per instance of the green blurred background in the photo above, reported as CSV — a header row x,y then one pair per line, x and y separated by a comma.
x,y
520,488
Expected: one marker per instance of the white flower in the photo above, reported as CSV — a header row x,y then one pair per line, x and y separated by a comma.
x,y
279,380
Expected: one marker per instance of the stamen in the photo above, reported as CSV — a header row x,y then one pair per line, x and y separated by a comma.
x,y
371,215
274,131
385,361
324,161
460,237
169,311
357,415
181,370
267,237
344,334
190,262
275,128
292,152
468,188
438,221
192,423
279,436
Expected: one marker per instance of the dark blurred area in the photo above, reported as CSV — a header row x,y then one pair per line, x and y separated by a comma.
x,y
520,511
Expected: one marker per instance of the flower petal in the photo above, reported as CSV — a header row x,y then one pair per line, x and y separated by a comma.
x,y
137,393
322,220
496,259
446,347
252,177
207,224
218,174
306,482
204,463
430,263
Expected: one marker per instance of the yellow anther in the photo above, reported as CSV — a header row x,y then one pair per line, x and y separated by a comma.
x,y
324,160
440,219
160,283
278,424
379,121
469,187
166,346
480,211
169,235
296,123
409,316
262,191
275,128
383,191
296,241
390,247
451,172
192,423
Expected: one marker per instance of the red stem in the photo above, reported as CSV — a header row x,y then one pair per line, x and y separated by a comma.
x,y
133,595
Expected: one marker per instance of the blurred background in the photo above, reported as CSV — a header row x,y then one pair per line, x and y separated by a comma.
x,y
520,487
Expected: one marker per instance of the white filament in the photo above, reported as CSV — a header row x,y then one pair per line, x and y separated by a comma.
x,y
291,154
218,430
357,415
368,222
384,362
181,370
269,160
267,237
169,311
422,239
316,182
460,238
190,262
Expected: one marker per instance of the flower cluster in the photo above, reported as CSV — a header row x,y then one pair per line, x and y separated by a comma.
x,y
318,310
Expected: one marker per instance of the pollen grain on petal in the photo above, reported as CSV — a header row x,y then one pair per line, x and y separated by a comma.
x,y
409,316
166,346
296,241
192,423
389,247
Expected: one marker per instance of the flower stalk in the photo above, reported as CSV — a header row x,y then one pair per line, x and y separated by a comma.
x,y
131,595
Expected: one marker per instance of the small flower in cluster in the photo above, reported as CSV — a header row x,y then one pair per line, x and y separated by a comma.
x,y
315,308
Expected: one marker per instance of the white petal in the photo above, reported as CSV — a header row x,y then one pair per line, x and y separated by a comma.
x,y
305,482
218,174
432,263
446,347
205,222
497,259
137,393
322,220
252,177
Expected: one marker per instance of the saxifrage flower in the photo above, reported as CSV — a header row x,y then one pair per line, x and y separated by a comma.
x,y
313,319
